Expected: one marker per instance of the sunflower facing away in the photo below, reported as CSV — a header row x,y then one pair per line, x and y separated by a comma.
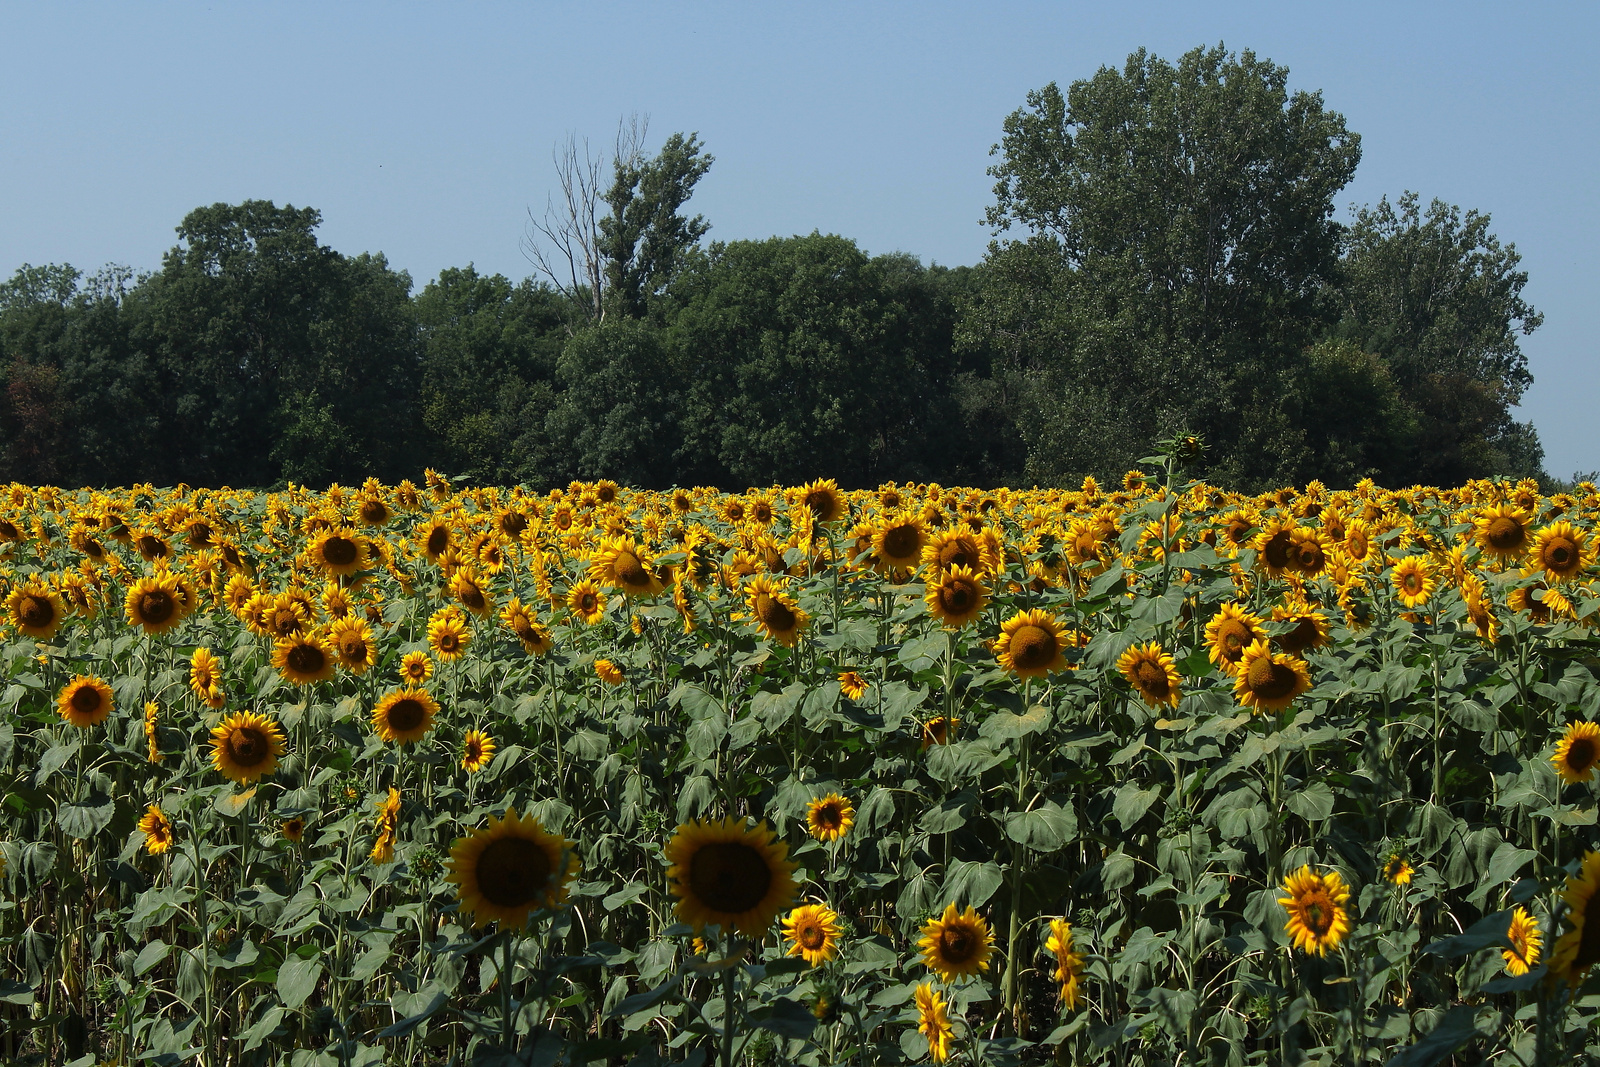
x,y
829,818
404,716
852,685
956,944
1318,920
724,872
157,830
1232,630
85,701
245,746
1578,751
477,749
1413,581
1030,644
448,635
509,869
1268,680
303,659
775,613
933,1022
937,730
1579,948
956,597
1153,673
813,933
1069,964
35,609
1523,934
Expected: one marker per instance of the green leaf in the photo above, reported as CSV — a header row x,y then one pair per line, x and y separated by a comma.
x,y
297,979
1506,862
647,1000
969,883
263,1028
1313,801
422,1006
1132,802
1487,932
786,1018
1456,1028
1003,724
85,820
149,956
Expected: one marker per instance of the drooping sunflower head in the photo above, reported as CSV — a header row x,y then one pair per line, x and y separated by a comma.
x,y
1562,551
1269,681
303,659
1578,752
36,609
1503,531
85,701
157,830
1523,955
933,1022
1318,919
608,672
340,551
1031,644
956,596
956,944
1413,581
829,818
1068,964
404,716
775,613
1153,674
937,731
448,635
509,869
724,872
812,931
245,746
477,749
1232,630
1310,629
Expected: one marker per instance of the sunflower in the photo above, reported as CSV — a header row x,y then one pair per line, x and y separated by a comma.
x,y
1525,941
958,547
829,818
404,715
1562,551
293,830
1273,548
1579,948
85,701
1310,626
469,591
852,685
154,603
434,537
387,827
246,746
1503,531
535,636
340,551
1308,551
587,602
608,672
415,668
36,609
1413,581
205,677
824,500
1480,609
157,830
477,749
1069,964
813,933
350,639
152,737
956,597
1318,920
1153,673
303,659
724,872
1396,870
937,731
897,542
776,614
1269,681
956,944
620,563
509,869
1232,630
933,1022
1578,751
448,635
1030,644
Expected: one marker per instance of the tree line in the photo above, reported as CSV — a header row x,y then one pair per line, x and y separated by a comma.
x,y
1165,261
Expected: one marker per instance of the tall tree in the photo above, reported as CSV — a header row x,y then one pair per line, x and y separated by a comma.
x,y
644,239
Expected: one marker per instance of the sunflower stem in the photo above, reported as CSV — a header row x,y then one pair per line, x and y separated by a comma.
x,y
507,948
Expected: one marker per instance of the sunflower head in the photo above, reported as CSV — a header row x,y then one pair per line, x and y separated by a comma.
x,y
724,872
245,746
1269,681
303,659
1562,551
157,830
608,672
293,830
1578,751
587,602
812,931
829,818
350,639
1031,644
404,716
1153,674
1502,531
1397,871
509,869
1413,581
823,499
155,603
448,635
956,944
956,597
852,685
775,613
340,551
36,609
1232,630
85,701
415,668
1523,955
933,1022
1318,919
477,749
622,564
897,541
1578,949
1068,964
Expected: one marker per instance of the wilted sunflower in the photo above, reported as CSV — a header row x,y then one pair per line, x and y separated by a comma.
x,y
303,659
85,701
1579,948
1153,673
829,818
340,551
1502,531
1030,644
724,872
956,597
387,828
448,635
157,830
620,563
1578,751
510,869
351,640
852,685
776,614
245,746
1523,934
824,500
1396,871
154,603
477,749
1318,920
587,602
415,668
608,672
205,677
36,609
813,933
1069,964
1413,581
933,1022
1269,681
1562,551
404,716
1232,630
956,944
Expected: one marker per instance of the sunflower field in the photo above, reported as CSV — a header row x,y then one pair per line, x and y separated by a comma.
x,y
1144,774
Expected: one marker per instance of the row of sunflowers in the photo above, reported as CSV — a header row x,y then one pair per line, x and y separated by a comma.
x,y
1152,773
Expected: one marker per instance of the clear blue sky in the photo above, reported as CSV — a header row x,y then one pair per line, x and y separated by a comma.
x,y
425,130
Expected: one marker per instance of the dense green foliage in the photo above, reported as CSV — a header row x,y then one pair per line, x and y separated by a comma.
x,y
1166,260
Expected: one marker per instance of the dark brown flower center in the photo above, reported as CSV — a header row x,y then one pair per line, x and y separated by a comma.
x,y
156,607
823,504
1270,680
1232,638
1033,647
958,595
340,551
248,746
406,714
1318,919
86,700
438,540
1505,534
775,613
1152,678
513,871
374,512
1303,636
729,876
630,571
36,611
1581,754
1308,557
811,936
306,659
472,596
1276,550
1559,554
829,817
960,552
152,547
958,944
901,542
